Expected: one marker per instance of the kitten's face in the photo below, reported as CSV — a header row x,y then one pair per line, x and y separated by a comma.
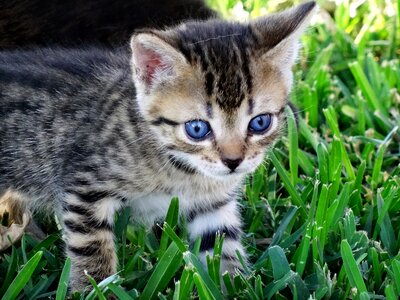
x,y
214,93
234,140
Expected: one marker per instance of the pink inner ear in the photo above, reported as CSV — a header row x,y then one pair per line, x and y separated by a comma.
x,y
148,62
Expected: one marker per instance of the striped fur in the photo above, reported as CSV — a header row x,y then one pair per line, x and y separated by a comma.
x,y
88,131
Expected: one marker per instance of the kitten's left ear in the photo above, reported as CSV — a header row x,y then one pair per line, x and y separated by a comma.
x,y
278,34
154,59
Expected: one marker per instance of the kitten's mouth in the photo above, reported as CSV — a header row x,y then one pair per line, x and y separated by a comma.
x,y
228,174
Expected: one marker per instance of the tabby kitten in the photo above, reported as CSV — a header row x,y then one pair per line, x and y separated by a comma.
x,y
188,113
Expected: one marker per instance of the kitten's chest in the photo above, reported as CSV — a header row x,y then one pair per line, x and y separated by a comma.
x,y
147,208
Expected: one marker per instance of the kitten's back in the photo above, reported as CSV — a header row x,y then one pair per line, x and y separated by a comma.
x,y
44,67
52,92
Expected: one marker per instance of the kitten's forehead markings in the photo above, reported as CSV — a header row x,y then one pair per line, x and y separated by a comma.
x,y
224,61
209,110
251,107
243,54
215,38
231,121
208,106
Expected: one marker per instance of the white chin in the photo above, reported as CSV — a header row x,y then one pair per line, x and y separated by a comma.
x,y
222,175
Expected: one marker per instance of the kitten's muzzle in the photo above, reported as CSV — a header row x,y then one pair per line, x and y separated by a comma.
x,y
232,152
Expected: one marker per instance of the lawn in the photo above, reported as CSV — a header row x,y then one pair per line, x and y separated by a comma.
x,y
322,215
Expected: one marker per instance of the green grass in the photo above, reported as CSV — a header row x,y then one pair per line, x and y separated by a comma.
x,y
322,216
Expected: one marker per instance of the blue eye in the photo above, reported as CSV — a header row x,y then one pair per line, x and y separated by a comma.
x,y
197,129
260,123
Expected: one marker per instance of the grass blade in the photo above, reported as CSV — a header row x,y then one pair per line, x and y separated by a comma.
x,y
64,279
172,220
290,188
190,258
351,267
23,277
119,292
163,272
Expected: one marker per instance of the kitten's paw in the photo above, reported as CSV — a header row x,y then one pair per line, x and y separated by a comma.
x,y
14,219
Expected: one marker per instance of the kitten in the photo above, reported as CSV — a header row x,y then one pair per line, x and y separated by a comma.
x,y
188,112
106,22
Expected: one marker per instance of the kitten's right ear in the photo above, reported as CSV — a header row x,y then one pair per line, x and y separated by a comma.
x,y
279,33
154,60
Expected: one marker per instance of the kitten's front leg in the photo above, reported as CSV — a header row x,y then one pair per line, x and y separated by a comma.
x,y
222,217
87,221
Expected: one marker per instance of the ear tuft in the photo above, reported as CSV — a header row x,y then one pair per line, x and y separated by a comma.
x,y
277,27
146,60
153,59
279,33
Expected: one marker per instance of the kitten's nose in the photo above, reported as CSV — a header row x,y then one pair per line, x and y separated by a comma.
x,y
232,163
232,152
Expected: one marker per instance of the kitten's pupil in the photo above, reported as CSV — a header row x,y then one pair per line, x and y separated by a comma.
x,y
260,121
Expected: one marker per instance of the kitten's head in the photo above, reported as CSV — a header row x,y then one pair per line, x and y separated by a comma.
x,y
214,92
